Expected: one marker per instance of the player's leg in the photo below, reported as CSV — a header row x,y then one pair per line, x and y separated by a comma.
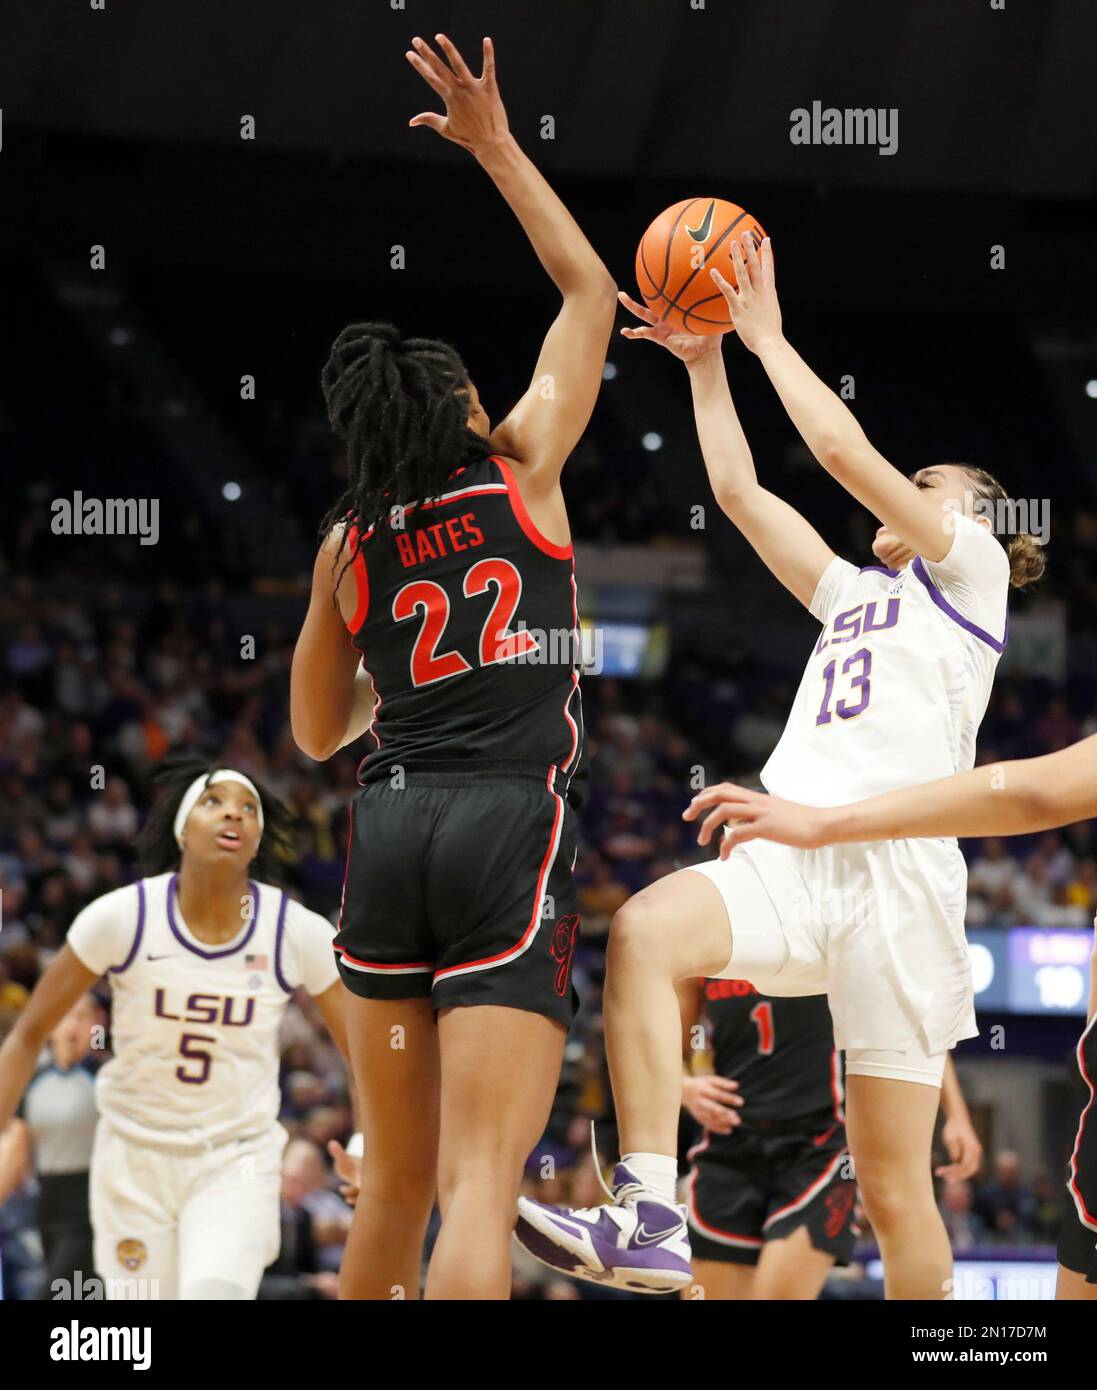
x,y
230,1222
1071,1285
716,920
675,929
499,1071
721,1280
394,1055
133,1218
890,1125
386,962
791,1268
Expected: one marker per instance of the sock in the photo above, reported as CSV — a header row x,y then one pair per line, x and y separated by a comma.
x,y
658,1173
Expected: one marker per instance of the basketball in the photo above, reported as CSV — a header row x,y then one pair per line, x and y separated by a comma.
x,y
675,254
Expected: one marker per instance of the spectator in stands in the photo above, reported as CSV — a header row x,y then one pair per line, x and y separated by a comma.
x,y
1006,1205
964,1225
993,884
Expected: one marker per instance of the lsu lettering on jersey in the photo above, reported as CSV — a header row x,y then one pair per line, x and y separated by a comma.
x,y
899,680
195,1027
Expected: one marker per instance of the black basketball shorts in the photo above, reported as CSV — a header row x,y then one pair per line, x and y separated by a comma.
x,y
762,1183
459,889
1078,1238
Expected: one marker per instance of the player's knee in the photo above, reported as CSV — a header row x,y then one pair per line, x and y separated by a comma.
x,y
409,1183
892,1199
638,933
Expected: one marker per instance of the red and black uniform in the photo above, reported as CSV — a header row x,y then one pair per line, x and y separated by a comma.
x,y
458,883
787,1164
1078,1238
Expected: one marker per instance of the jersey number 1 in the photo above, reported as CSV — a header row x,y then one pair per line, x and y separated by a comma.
x,y
762,1018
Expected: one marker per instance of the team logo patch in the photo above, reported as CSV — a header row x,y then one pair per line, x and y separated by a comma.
x,y
562,948
132,1254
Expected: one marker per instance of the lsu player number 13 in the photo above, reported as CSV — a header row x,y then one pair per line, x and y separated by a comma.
x,y
202,961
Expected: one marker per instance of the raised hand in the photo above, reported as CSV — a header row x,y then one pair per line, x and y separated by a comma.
x,y
754,309
475,117
689,348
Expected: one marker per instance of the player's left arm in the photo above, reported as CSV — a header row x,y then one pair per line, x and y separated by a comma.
x,y
331,694
958,1134
1093,976
826,423
547,422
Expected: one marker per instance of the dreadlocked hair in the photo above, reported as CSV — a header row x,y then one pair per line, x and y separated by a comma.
x,y
157,851
1027,561
400,407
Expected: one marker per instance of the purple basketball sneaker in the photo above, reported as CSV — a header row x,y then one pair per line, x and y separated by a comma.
x,y
639,1242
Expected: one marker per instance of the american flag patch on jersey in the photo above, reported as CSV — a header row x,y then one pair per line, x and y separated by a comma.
x,y
255,962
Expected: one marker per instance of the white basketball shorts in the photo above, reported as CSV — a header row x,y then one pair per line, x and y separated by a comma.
x,y
878,928
171,1225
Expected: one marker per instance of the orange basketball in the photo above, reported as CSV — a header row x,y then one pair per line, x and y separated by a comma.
x,y
676,254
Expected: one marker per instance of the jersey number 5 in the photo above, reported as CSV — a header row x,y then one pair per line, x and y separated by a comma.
x,y
195,1054
430,600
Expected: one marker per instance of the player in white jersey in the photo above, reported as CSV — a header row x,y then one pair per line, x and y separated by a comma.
x,y
893,692
202,959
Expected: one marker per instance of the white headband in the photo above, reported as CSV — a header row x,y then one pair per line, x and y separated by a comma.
x,y
193,795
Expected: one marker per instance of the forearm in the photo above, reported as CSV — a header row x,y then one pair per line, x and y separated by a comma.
x,y
1013,798
363,703
18,1058
826,424
568,257
952,1098
724,447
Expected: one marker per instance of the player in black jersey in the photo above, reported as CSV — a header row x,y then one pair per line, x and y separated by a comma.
x,y
449,560
771,1193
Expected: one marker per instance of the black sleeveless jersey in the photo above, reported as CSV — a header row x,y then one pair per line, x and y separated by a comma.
x,y
781,1051
467,623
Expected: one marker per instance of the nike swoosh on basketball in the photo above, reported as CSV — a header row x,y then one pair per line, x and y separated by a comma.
x,y
642,1236
701,233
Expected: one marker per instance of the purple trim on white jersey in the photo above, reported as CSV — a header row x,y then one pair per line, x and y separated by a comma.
x,y
279,932
225,951
943,604
137,935
878,569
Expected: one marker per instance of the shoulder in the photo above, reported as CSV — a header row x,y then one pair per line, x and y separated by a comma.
x,y
301,921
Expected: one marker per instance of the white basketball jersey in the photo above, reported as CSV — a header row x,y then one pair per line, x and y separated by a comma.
x,y
195,1027
898,682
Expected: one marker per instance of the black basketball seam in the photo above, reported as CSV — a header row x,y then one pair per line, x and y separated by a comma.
x,y
690,279
647,272
688,314
670,243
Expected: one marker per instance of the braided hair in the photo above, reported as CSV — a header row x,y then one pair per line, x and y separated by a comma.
x,y
400,407
157,850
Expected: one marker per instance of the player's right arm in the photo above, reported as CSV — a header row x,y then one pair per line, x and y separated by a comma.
x,y
788,545
547,422
1010,798
59,989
